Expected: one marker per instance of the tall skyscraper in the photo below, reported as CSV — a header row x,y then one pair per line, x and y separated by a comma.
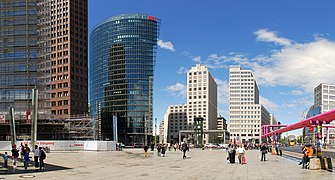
x,y
246,114
69,48
122,57
23,57
202,98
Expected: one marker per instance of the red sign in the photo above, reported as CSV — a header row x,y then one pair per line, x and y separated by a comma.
x,y
151,18
2,118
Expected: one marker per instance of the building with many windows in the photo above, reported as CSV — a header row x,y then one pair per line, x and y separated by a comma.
x,y
175,119
324,100
122,57
247,115
23,58
222,125
202,99
68,58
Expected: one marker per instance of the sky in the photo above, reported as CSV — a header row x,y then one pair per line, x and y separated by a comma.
x,y
289,46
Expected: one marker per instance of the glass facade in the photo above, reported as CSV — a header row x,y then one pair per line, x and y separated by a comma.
x,y
23,65
122,57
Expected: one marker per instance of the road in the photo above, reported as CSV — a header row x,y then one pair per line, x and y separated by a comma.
x,y
297,149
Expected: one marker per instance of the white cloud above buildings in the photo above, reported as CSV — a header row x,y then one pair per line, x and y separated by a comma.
x,y
178,90
268,104
222,91
300,65
166,45
270,36
182,70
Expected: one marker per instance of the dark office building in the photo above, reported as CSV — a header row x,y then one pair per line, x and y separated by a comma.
x,y
122,57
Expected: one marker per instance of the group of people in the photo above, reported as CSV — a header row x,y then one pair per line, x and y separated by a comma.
x,y
308,153
239,150
162,148
24,152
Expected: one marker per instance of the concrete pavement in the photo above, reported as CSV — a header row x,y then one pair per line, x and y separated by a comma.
x,y
130,164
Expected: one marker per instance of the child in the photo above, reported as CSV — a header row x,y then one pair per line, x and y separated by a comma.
x,y
26,159
5,157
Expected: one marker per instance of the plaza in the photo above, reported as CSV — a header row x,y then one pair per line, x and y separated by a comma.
x,y
131,164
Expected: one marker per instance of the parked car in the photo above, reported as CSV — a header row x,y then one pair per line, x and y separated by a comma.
x,y
223,145
210,145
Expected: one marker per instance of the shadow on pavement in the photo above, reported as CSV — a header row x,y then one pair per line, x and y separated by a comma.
x,y
31,169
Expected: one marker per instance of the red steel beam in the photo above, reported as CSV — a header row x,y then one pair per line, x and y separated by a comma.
x,y
324,118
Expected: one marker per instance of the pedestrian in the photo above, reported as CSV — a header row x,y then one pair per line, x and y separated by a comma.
x,y
42,156
277,149
15,155
26,160
152,146
175,146
5,158
36,156
169,146
264,151
21,150
231,152
184,148
145,150
26,148
240,152
159,150
163,150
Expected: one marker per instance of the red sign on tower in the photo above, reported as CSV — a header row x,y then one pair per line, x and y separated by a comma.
x,y
152,18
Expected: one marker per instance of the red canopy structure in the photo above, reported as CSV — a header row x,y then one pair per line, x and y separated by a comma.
x,y
324,118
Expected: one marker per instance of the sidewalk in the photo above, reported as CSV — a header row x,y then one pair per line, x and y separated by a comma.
x,y
199,164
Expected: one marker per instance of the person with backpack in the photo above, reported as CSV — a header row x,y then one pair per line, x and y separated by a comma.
x,y
184,148
42,158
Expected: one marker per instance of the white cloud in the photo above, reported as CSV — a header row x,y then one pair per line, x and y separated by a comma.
x,y
182,70
196,59
223,91
293,92
268,104
177,89
270,36
166,45
296,92
300,65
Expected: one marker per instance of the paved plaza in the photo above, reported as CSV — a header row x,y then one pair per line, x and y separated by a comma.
x,y
130,164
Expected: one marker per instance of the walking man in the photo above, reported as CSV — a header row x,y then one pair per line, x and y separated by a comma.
x,y
263,150
145,150
241,152
42,158
184,148
36,156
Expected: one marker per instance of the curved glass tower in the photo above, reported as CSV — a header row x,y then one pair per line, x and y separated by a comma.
x,y
122,56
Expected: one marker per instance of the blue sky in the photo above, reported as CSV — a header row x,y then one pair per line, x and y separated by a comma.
x,y
290,46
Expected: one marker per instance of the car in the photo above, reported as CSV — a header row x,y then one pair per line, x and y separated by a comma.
x,y
210,145
223,145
